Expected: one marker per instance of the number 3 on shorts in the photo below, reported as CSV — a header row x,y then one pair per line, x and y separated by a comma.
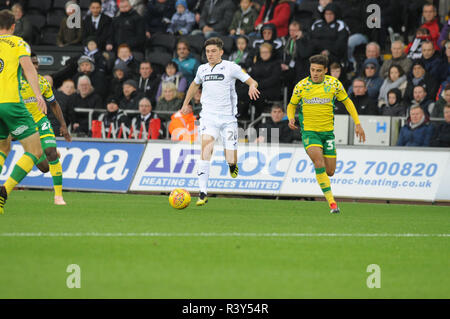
x,y
330,144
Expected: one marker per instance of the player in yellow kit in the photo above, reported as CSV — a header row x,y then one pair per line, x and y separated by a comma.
x,y
315,95
14,117
50,160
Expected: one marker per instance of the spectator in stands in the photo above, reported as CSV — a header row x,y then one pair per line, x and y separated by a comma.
x,y
113,120
417,131
124,54
159,13
419,76
371,76
363,103
85,98
67,35
243,19
268,35
398,58
372,52
266,71
414,49
329,35
321,4
131,96
215,17
196,102
434,65
295,64
276,129
98,80
92,51
240,55
394,106
173,75
65,96
120,75
276,12
183,20
23,28
128,27
182,126
431,22
441,137
139,6
109,7
438,110
98,25
420,98
445,33
335,70
168,100
147,122
396,79
148,81
186,62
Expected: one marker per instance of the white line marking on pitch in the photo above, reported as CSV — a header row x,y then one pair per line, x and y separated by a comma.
x,y
95,234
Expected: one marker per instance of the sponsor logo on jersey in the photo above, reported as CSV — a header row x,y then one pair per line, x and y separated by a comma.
x,y
316,100
19,130
30,100
214,77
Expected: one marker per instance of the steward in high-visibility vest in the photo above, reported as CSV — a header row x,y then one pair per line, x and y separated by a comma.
x,y
182,127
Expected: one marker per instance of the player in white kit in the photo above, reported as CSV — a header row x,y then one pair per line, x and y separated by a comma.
x,y
219,109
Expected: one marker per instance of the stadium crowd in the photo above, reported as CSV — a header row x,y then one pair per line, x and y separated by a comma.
x,y
142,55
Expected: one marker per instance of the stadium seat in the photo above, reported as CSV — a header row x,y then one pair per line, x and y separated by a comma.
x,y
59,4
40,5
48,36
37,20
84,4
162,42
196,42
228,44
159,59
54,18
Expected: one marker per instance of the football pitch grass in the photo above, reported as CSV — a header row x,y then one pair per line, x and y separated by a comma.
x,y
137,246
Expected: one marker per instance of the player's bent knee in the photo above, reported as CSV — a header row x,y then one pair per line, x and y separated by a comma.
x,y
51,154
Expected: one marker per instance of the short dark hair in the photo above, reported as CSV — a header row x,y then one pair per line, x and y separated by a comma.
x,y
421,86
7,19
398,67
146,62
319,59
96,1
172,64
214,41
447,87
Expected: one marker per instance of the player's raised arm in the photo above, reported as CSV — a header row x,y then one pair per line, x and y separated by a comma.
x,y
56,109
32,77
354,114
253,91
193,88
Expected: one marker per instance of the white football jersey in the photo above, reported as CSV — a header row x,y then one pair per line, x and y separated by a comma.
x,y
218,94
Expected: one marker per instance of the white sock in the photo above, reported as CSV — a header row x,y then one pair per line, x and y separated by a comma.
x,y
203,175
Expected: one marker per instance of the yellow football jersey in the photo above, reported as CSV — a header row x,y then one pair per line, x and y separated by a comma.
x,y
316,101
30,99
11,49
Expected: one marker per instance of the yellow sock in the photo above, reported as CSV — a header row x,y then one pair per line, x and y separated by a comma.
x,y
23,166
324,182
56,171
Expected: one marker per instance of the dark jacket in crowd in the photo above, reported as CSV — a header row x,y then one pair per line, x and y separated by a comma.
x,y
436,67
68,36
244,20
332,37
103,32
91,101
441,137
129,28
364,104
132,102
158,16
66,102
438,110
281,133
219,18
116,118
277,46
427,81
396,109
267,74
420,136
24,29
139,120
149,86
